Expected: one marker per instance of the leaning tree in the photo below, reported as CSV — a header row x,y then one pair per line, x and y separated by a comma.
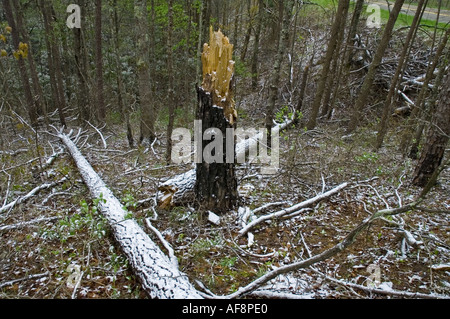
x,y
437,139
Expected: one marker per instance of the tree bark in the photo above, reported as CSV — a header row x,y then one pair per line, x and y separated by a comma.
x,y
337,29
216,184
387,108
368,80
159,277
170,88
101,111
30,103
437,139
148,111
54,62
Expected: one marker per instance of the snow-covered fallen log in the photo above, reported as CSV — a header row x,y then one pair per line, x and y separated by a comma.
x,y
159,277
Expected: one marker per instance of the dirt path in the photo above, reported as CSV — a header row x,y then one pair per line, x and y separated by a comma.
x,y
409,9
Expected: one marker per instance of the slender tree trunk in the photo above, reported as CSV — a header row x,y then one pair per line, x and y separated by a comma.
x,y
387,109
338,25
352,31
249,31
54,61
437,139
368,80
121,96
333,82
285,10
83,97
39,98
256,44
148,112
101,111
170,89
31,106
417,109
429,109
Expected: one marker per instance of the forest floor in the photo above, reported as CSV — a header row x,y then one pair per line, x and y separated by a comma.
x,y
46,259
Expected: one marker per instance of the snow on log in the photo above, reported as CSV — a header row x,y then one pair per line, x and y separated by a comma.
x,y
158,275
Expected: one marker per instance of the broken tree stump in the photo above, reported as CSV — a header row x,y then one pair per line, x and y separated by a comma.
x,y
216,184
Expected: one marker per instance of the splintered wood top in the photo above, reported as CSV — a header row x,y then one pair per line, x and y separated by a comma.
x,y
218,70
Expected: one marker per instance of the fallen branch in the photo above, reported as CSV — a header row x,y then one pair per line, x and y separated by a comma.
x,y
33,192
391,292
159,277
161,238
345,243
25,224
12,282
99,133
292,209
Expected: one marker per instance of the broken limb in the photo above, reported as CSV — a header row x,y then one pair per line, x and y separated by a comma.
x,y
292,209
392,292
158,276
166,245
33,192
25,224
12,282
345,243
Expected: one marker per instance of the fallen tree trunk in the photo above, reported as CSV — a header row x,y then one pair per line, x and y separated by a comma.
x,y
158,275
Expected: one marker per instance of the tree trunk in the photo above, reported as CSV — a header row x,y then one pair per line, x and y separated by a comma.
x,y
170,88
39,99
124,110
387,109
54,62
256,45
82,74
284,5
352,31
31,106
101,112
368,81
249,31
337,29
417,110
216,184
148,111
437,139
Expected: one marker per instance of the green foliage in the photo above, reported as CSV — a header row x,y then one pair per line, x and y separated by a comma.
x,y
86,220
367,157
241,69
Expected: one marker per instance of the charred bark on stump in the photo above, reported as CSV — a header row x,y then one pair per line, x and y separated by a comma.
x,y
216,184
